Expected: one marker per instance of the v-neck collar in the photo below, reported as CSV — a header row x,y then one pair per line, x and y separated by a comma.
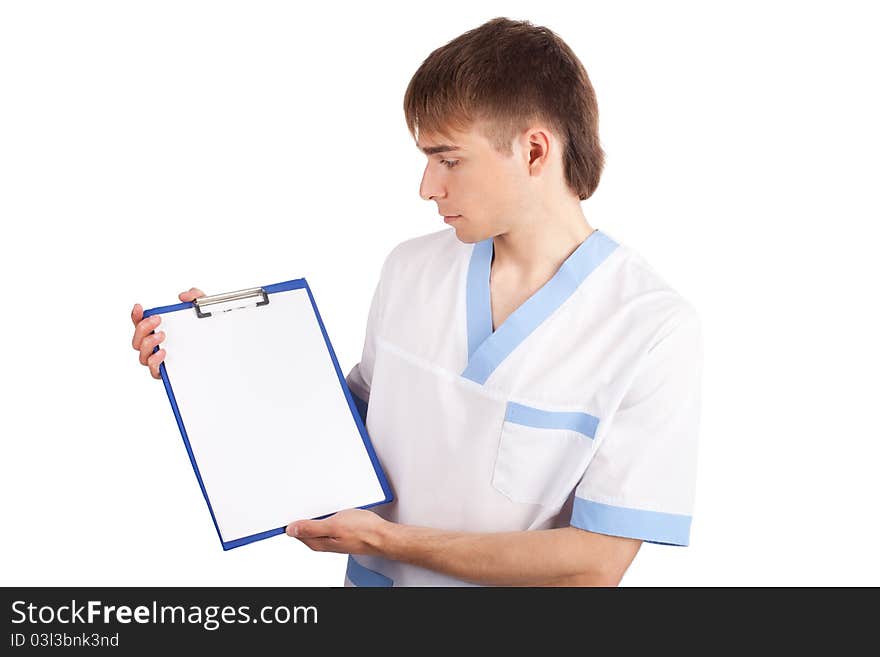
x,y
487,349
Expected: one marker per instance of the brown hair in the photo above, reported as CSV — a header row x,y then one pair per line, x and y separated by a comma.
x,y
509,73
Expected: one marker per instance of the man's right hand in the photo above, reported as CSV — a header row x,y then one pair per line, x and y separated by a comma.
x,y
144,341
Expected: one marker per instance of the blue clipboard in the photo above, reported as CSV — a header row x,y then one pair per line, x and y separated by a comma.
x,y
266,291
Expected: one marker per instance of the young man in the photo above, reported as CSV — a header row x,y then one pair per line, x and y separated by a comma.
x,y
531,386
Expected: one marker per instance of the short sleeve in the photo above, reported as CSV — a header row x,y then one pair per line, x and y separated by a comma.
x,y
360,377
641,481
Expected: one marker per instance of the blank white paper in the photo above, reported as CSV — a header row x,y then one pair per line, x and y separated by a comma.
x,y
267,419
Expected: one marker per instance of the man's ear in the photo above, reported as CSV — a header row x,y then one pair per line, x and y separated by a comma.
x,y
539,144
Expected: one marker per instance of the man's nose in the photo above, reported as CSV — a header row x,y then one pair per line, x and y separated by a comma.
x,y
430,187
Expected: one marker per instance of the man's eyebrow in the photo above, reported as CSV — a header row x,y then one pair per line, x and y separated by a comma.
x,y
442,148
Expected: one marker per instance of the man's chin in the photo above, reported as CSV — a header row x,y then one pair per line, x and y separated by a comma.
x,y
466,240
467,236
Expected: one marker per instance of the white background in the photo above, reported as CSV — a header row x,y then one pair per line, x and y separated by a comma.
x,y
148,147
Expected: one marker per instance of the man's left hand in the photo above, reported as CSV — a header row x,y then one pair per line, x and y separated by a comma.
x,y
353,531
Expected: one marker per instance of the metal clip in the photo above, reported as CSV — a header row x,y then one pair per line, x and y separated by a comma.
x,y
202,302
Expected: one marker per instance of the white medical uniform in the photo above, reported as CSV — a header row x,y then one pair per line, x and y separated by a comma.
x,y
581,409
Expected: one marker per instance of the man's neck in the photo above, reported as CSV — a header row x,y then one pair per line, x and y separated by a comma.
x,y
535,250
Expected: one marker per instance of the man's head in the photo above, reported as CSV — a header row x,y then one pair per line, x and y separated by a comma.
x,y
518,106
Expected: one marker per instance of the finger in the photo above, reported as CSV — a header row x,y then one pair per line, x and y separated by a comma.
x,y
137,314
154,361
310,529
321,544
142,329
149,343
190,294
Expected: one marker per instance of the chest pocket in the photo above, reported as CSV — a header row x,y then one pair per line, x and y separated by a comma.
x,y
542,454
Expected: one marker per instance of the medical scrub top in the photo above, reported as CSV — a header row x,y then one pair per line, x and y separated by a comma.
x,y
581,408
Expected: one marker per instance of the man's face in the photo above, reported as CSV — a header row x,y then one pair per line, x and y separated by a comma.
x,y
467,177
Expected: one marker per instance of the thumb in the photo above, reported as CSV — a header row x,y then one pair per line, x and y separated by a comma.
x,y
307,529
190,294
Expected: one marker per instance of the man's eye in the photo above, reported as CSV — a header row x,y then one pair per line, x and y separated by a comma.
x,y
449,163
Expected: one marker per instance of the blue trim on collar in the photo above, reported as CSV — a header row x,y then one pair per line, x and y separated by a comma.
x,y
479,305
487,350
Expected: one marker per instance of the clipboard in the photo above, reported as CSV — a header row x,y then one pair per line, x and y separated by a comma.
x,y
270,426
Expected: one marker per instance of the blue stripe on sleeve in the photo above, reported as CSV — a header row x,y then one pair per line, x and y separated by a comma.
x,y
650,526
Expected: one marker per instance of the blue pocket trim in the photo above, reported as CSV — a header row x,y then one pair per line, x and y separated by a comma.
x,y
360,575
529,416
650,526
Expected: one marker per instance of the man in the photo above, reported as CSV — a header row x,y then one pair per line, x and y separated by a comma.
x,y
531,386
